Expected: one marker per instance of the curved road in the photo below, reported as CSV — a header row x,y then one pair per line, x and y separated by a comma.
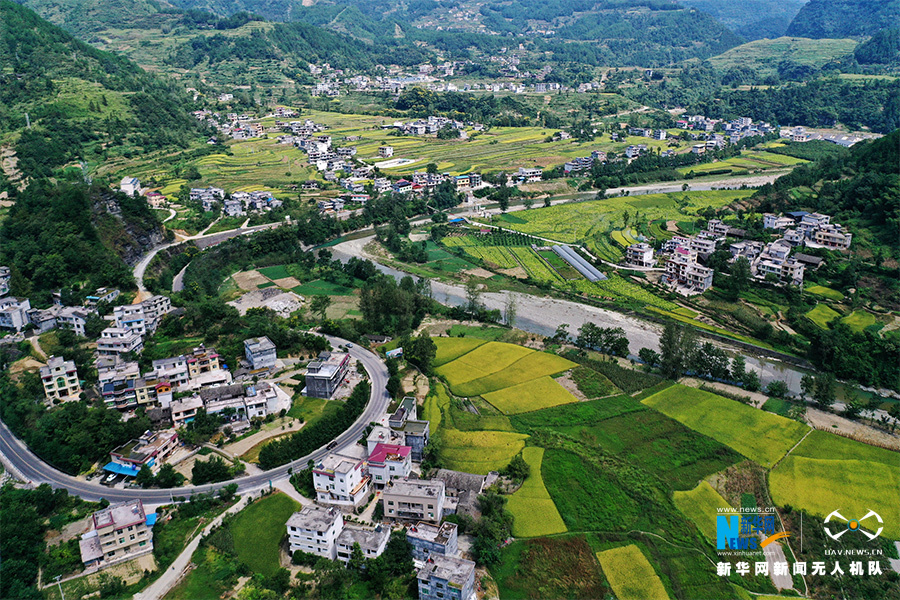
x,y
26,464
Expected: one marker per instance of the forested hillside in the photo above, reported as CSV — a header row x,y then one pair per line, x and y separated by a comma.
x,y
751,19
81,103
883,48
843,18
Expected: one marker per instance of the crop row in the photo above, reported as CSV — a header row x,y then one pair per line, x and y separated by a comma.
x,y
535,265
618,287
497,255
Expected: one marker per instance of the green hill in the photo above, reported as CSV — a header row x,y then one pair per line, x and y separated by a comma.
x,y
844,18
883,48
751,19
765,56
82,103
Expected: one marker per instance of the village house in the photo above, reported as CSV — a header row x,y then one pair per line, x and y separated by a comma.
x,y
414,500
60,380
389,461
260,353
14,313
150,450
341,481
640,255
324,375
683,269
446,578
427,539
118,532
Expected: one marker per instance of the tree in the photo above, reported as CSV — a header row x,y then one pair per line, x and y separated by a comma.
x,y
473,295
676,346
854,406
357,560
517,469
650,357
511,308
561,335
503,200
320,304
751,381
807,385
145,477
824,391
420,351
168,477
528,202
210,471
738,368
777,389
740,275
546,201
431,168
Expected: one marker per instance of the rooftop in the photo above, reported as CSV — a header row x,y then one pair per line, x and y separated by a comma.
x,y
368,539
314,518
120,515
455,571
327,365
432,533
335,464
415,487
459,480
383,452
260,344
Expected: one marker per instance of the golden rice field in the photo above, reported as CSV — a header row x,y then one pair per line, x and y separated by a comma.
x,y
631,575
826,472
701,505
480,362
451,348
535,394
528,368
531,505
758,435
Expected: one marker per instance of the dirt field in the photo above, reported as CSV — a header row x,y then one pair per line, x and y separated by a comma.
x,y
283,303
479,272
757,398
567,382
859,431
517,272
287,282
249,280
25,364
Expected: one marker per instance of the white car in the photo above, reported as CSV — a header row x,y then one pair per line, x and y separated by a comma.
x,y
110,478
349,345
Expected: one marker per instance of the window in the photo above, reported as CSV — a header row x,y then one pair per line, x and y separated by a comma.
x,y
142,544
121,540
431,506
131,537
390,502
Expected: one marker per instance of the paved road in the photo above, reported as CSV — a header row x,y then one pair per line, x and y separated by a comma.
x,y
37,471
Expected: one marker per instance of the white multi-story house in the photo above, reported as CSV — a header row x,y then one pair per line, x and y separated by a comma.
x,y
14,313
372,542
775,260
681,268
118,340
389,461
341,481
130,186
832,236
315,530
385,151
60,379
640,254
530,175
772,221
703,243
717,227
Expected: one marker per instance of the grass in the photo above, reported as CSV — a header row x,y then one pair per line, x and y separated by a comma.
x,y
583,413
258,530
764,55
827,472
778,406
276,272
311,410
488,418
530,367
319,287
436,400
252,455
859,320
479,451
449,349
593,384
483,332
535,394
534,511
631,575
822,315
758,435
555,567
662,446
825,292
701,505
209,580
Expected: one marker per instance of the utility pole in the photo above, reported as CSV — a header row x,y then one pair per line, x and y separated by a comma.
x,y
60,587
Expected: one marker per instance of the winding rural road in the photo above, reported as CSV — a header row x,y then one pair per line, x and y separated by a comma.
x,y
23,462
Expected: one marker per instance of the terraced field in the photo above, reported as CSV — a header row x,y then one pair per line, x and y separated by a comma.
x,y
536,394
531,505
822,315
536,266
631,575
480,451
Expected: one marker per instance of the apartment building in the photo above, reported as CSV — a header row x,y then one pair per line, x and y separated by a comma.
x,y
385,151
118,532
446,578
640,255
427,539
389,461
833,237
323,376
243,403
703,243
341,481
315,530
260,353
372,542
414,500
60,379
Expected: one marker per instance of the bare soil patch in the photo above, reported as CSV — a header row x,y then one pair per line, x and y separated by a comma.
x,y
287,282
858,431
517,272
249,280
567,382
479,272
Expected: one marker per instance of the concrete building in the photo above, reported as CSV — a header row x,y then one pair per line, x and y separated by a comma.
x,y
130,186
717,227
704,243
260,353
461,489
202,360
640,255
118,340
385,151
5,276
60,379
341,481
14,313
389,461
323,376
414,500
428,539
151,449
372,542
682,269
118,532
446,578
101,295
315,530
382,435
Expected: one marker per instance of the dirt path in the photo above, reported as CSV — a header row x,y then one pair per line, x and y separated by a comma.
x,y
242,446
36,344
